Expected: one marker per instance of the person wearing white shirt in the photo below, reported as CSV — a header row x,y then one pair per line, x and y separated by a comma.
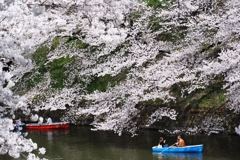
x,y
49,120
40,120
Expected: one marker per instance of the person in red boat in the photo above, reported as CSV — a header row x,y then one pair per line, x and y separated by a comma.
x,y
49,120
40,120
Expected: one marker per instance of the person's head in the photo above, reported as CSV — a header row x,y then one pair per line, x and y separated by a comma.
x,y
178,137
161,139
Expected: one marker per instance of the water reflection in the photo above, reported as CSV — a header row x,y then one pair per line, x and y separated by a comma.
x,y
177,156
49,131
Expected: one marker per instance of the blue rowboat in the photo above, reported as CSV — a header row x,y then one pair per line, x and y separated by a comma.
x,y
188,149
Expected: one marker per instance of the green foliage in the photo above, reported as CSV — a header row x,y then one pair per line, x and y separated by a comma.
x,y
56,68
135,15
76,80
37,97
115,80
61,30
127,95
176,89
24,80
214,52
43,69
30,79
156,3
173,35
40,56
213,99
77,43
5,83
55,43
155,102
81,45
57,71
213,95
155,25
99,83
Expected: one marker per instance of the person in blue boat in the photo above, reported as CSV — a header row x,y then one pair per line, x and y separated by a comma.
x,y
180,142
162,143
49,120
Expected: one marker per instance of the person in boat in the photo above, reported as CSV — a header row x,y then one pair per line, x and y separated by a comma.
x,y
16,125
49,120
40,120
180,142
19,122
162,143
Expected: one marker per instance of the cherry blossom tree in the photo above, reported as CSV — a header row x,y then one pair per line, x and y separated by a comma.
x,y
160,47
185,60
26,24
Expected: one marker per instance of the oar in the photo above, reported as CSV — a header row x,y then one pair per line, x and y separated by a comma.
x,y
167,148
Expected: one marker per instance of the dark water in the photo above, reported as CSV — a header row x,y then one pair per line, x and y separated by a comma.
x,y
80,143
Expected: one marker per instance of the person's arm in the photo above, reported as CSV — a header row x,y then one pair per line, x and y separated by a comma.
x,y
163,142
177,143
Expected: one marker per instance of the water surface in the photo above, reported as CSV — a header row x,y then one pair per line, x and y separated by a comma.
x,y
80,143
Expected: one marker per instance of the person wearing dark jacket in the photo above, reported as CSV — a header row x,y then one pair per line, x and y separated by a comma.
x,y
162,142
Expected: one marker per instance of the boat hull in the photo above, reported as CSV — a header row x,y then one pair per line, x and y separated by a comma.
x,y
19,127
56,125
188,149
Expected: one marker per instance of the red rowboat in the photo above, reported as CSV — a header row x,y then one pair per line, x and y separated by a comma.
x,y
55,125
